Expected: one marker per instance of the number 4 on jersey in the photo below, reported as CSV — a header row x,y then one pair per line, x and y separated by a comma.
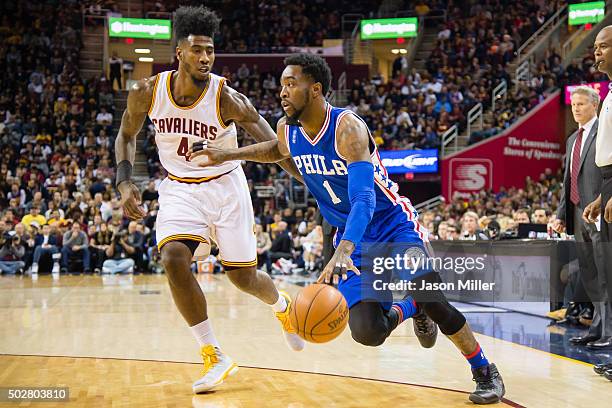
x,y
183,148
334,197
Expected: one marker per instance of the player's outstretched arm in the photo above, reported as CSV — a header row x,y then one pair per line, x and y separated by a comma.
x,y
354,146
138,104
237,107
271,151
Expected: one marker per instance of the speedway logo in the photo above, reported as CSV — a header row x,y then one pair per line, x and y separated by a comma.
x,y
410,161
469,176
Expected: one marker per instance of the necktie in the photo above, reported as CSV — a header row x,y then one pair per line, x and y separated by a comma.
x,y
574,192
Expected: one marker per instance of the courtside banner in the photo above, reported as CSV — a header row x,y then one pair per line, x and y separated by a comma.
x,y
410,161
602,87
534,145
153,29
381,28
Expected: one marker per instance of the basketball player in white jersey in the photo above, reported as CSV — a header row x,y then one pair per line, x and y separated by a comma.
x,y
185,106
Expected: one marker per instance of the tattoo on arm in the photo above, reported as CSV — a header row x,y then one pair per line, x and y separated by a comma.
x,y
353,140
264,152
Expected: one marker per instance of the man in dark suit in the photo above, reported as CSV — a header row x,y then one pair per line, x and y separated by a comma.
x,y
581,186
45,243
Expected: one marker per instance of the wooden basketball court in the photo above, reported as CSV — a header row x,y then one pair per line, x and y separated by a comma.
x,y
119,341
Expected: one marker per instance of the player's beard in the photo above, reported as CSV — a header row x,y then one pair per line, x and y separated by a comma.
x,y
295,118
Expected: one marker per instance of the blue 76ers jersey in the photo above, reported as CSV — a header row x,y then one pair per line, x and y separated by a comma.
x,y
325,173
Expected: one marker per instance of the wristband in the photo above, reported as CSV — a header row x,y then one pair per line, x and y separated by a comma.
x,y
124,172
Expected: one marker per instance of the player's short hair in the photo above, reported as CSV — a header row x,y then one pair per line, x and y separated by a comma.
x,y
589,92
313,66
195,20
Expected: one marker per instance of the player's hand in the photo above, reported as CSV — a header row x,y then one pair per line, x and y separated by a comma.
x,y
608,212
212,155
339,264
131,201
558,226
592,211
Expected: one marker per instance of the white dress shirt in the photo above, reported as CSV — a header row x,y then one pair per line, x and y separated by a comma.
x,y
587,130
603,148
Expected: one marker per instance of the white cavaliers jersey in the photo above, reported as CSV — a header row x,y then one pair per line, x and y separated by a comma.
x,y
178,127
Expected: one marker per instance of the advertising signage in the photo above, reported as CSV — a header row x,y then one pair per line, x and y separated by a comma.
x,y
149,28
410,161
585,13
388,28
601,87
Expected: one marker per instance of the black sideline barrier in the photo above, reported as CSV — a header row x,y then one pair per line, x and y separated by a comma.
x,y
526,272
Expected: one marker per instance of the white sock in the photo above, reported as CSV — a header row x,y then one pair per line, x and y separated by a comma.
x,y
280,305
203,333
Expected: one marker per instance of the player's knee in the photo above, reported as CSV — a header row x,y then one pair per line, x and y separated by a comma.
x,y
242,278
446,316
176,259
368,333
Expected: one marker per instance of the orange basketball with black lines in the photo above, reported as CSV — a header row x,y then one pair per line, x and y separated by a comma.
x,y
319,313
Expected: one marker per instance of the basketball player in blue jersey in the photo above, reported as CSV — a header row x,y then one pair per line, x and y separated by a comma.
x,y
338,160
197,204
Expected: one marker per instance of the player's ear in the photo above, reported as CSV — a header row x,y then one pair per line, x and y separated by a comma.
x,y
317,90
179,51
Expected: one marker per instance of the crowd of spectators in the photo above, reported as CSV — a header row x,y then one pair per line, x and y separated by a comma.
x,y
496,215
274,26
473,47
57,206
58,209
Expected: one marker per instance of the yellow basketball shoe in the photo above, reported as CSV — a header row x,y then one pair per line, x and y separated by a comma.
x,y
217,367
295,342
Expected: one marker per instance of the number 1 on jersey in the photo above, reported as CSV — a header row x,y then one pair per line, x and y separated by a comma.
x,y
333,195
183,148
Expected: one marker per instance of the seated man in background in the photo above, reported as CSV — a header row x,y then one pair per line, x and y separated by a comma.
x,y
75,242
45,243
117,255
470,231
540,216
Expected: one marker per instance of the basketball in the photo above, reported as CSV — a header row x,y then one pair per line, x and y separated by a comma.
x,y
319,313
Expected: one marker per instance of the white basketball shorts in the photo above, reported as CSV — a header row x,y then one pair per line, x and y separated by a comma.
x,y
201,209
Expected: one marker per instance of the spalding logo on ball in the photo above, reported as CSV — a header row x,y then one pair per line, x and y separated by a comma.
x,y
319,313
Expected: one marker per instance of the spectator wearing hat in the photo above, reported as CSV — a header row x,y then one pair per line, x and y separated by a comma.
x,y
33,216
